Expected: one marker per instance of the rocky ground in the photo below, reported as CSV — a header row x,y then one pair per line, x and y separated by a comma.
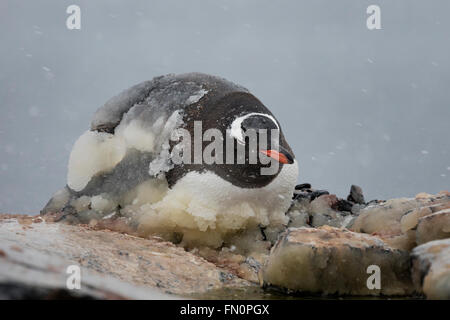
x,y
331,247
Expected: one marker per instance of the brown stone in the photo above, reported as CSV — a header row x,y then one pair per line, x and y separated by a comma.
x,y
356,195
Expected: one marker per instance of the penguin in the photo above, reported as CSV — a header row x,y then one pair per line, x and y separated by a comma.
x,y
123,166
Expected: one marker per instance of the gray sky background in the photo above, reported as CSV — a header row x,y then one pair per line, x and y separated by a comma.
x,y
358,107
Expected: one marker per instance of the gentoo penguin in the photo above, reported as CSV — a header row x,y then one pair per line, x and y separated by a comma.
x,y
123,167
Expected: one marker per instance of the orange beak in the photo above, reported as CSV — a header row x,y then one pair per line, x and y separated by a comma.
x,y
280,157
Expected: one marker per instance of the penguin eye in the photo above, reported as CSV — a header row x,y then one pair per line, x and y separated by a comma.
x,y
252,121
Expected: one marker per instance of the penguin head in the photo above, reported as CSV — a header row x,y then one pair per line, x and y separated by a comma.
x,y
265,130
259,150
259,141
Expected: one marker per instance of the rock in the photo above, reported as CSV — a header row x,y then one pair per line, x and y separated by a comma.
x,y
356,195
356,208
303,186
317,193
334,219
27,274
335,261
433,227
245,267
411,218
325,219
324,202
299,195
322,205
298,219
423,195
343,205
322,210
396,220
298,213
313,253
36,253
431,269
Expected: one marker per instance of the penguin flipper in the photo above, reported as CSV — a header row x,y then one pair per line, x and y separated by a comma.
x,y
126,175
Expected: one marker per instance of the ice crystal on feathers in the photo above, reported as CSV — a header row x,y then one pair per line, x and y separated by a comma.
x,y
162,162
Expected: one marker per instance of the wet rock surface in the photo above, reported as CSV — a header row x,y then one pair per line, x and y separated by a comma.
x,y
403,223
34,257
326,248
431,269
335,261
433,227
317,208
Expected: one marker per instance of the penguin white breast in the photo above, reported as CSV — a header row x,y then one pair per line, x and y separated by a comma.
x,y
205,206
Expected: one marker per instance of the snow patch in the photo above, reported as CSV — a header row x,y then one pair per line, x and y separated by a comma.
x,y
92,153
163,163
196,97
102,204
136,135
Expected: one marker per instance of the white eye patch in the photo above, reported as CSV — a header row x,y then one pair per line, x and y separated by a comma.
x,y
236,130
